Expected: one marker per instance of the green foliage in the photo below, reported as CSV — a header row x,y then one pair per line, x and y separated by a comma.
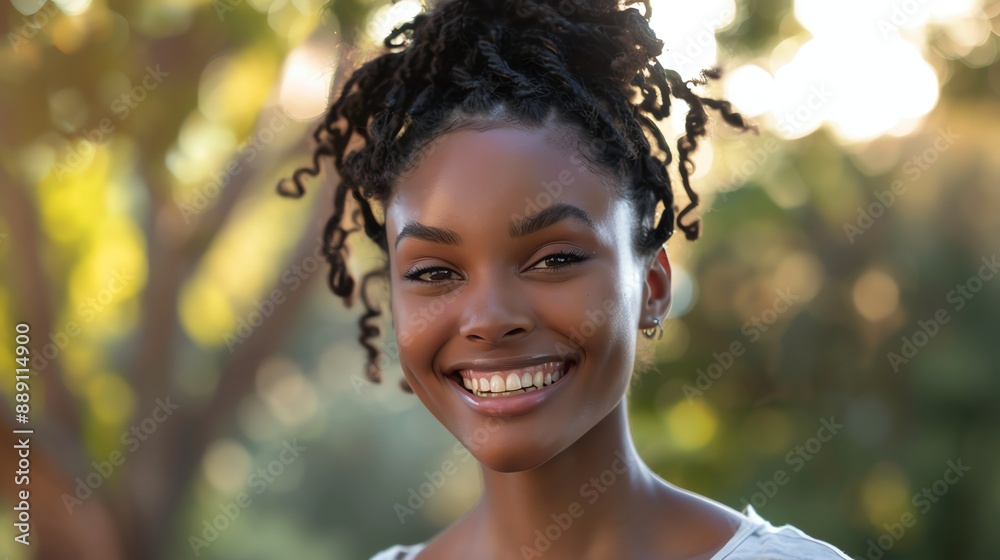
x,y
97,182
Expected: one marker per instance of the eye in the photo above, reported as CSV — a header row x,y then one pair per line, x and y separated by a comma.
x,y
441,275
562,260
414,274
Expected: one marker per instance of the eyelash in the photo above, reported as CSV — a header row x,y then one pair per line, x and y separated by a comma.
x,y
580,256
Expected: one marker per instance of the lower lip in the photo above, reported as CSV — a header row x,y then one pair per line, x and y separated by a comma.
x,y
513,405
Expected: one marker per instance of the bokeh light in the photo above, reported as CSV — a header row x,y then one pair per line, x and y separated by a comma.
x,y
690,425
149,261
876,295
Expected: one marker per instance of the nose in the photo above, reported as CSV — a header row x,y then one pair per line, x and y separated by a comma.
x,y
496,311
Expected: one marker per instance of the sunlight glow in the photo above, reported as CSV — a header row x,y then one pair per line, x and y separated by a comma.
x,y
386,18
73,7
750,88
687,30
860,69
305,82
683,291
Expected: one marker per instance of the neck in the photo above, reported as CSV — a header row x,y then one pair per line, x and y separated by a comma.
x,y
581,502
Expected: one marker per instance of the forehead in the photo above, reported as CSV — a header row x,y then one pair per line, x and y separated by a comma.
x,y
489,176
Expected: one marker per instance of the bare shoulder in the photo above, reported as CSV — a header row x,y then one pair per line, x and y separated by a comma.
x,y
693,526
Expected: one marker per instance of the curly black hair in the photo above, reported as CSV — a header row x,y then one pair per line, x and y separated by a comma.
x,y
474,63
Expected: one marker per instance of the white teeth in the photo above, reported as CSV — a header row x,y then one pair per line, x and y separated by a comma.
x,y
513,382
535,378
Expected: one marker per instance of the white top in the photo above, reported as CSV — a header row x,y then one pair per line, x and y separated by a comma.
x,y
756,539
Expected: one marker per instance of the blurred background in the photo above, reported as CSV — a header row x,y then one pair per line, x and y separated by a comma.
x,y
830,358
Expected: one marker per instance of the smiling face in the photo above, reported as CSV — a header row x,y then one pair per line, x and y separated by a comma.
x,y
477,285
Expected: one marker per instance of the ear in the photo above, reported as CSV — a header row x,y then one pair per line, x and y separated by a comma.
x,y
656,290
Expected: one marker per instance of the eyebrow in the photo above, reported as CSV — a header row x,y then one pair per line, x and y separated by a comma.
x,y
519,228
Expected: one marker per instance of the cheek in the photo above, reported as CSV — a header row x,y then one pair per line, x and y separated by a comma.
x,y
600,322
420,325
594,314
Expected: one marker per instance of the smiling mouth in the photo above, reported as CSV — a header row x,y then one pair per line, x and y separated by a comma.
x,y
512,382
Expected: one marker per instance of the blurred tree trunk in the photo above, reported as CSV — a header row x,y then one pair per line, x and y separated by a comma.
x,y
136,512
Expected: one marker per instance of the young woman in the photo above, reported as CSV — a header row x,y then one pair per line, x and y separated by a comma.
x,y
502,160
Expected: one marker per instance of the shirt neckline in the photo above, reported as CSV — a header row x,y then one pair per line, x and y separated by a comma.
x,y
748,525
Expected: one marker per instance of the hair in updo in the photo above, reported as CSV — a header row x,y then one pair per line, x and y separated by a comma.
x,y
572,64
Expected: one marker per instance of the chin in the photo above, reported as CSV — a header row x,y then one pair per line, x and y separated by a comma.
x,y
514,453
511,461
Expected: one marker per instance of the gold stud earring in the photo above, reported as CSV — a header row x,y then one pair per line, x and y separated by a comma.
x,y
650,332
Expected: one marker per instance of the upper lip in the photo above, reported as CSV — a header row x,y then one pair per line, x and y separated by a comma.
x,y
515,362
